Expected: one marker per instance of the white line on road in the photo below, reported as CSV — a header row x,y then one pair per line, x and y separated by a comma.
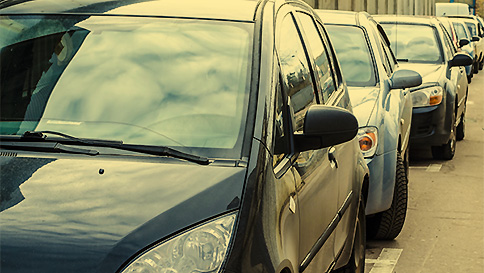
x,y
434,168
386,261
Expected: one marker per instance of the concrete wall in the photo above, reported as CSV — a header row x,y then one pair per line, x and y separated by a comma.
x,y
409,7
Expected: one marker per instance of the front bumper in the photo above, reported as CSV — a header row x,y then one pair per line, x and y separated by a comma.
x,y
429,126
382,181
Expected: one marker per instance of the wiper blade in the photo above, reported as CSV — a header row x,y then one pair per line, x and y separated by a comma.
x,y
402,60
41,135
146,149
46,147
160,151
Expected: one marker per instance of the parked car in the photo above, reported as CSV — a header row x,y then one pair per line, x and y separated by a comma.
x,y
143,136
476,31
464,41
439,104
381,101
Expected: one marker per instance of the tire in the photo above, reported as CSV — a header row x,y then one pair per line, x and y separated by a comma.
x,y
461,128
475,68
469,78
356,264
386,225
481,65
446,151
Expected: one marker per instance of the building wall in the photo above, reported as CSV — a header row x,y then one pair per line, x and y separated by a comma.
x,y
408,7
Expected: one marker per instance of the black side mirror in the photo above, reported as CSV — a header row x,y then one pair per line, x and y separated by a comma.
x,y
325,126
461,59
476,39
405,79
463,42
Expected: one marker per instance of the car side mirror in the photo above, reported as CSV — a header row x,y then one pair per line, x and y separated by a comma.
x,y
463,42
476,39
461,59
405,78
325,126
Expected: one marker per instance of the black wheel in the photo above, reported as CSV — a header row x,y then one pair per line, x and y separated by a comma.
x,y
461,128
388,224
447,150
481,65
356,264
475,67
469,78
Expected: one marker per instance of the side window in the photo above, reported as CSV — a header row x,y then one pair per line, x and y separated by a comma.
x,y
377,36
279,132
320,55
297,81
389,56
448,45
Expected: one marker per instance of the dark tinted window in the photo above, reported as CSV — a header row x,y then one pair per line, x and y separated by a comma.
x,y
295,71
319,53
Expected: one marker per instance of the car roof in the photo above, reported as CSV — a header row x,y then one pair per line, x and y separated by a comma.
x,y
240,10
412,19
338,17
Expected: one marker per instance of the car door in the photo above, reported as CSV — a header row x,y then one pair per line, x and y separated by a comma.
x,y
458,76
333,93
315,173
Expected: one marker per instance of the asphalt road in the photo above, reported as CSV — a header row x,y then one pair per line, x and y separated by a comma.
x,y
444,228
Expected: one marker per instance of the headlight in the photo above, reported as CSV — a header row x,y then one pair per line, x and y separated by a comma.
x,y
427,96
201,249
368,139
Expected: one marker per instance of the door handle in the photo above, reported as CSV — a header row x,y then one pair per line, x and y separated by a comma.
x,y
332,158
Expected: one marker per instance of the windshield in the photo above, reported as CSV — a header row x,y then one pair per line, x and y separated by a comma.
x,y
353,54
472,28
460,31
150,81
414,43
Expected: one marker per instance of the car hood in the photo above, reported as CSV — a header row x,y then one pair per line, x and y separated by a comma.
x,y
429,72
363,100
78,215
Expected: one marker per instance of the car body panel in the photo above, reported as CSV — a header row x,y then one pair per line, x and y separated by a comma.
x,y
381,107
233,10
273,205
100,220
432,125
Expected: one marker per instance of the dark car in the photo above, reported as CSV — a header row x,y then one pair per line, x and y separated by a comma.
x,y
173,136
439,104
379,94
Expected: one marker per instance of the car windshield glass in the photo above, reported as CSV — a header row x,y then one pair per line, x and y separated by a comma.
x,y
353,54
460,31
415,43
472,28
150,81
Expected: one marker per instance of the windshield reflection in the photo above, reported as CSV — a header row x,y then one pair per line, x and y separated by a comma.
x,y
140,80
353,54
414,43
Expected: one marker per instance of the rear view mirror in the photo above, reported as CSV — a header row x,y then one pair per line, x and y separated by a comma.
x,y
325,126
405,78
476,39
461,59
463,42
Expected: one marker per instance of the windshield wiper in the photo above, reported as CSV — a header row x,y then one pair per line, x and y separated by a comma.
x,y
402,60
146,149
47,147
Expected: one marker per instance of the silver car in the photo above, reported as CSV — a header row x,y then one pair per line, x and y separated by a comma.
x,y
382,104
439,104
